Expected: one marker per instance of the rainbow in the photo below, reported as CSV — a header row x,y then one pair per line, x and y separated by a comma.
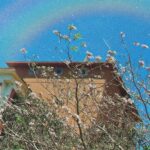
x,y
30,19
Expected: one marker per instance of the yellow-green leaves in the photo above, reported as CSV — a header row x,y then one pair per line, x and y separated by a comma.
x,y
19,119
77,36
74,48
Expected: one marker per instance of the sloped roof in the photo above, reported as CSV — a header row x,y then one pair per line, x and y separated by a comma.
x,y
61,64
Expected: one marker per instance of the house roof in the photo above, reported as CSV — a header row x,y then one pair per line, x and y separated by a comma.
x,y
61,64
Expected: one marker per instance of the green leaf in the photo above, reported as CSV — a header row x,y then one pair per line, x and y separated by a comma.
x,y
19,119
147,148
74,48
77,36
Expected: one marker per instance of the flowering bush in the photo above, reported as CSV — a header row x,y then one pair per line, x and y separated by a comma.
x,y
33,124
81,112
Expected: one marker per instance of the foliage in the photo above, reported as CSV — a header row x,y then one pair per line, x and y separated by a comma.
x,y
146,148
33,124
81,112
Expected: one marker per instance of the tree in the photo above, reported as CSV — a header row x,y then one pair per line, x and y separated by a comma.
x,y
31,123
136,77
80,113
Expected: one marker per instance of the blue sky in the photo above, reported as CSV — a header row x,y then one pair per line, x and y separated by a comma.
x,y
24,24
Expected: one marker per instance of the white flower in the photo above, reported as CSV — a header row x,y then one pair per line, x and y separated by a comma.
x,y
43,67
130,101
2,110
31,123
148,92
123,69
67,80
56,32
23,50
84,44
18,84
66,109
144,46
122,34
111,59
92,86
50,69
1,116
98,58
147,68
44,74
86,59
52,132
48,114
72,27
110,52
66,37
136,43
77,117
33,95
89,54
67,62
128,90
141,63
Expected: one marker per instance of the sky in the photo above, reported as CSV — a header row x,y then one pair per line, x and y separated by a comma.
x,y
29,24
